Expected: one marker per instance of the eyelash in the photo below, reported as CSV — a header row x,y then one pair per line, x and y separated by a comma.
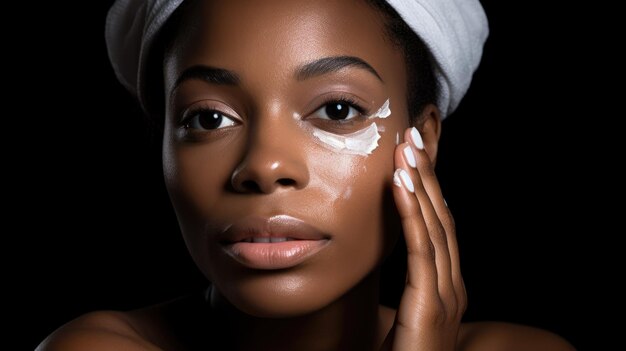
x,y
348,101
189,114
342,99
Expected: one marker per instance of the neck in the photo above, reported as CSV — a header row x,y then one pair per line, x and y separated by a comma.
x,y
350,323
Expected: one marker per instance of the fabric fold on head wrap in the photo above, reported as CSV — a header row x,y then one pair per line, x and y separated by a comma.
x,y
453,30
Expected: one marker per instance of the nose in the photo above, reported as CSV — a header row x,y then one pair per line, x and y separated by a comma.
x,y
272,161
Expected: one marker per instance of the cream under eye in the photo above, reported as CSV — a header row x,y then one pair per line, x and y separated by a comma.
x,y
362,142
206,119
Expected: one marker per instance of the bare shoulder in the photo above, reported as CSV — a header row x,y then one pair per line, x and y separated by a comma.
x,y
171,325
496,336
97,331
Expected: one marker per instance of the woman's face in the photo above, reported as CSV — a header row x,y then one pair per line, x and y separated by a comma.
x,y
271,129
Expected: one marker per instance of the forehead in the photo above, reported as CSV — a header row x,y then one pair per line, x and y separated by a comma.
x,y
280,35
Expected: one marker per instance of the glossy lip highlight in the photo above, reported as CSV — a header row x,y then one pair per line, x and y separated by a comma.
x,y
277,242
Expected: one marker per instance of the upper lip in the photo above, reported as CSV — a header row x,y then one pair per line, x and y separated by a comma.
x,y
281,226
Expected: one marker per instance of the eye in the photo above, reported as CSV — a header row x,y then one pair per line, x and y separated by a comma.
x,y
208,120
337,111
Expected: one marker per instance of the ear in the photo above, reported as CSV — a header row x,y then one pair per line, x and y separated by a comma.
x,y
429,126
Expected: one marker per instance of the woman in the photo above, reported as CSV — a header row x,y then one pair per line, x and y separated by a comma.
x,y
299,141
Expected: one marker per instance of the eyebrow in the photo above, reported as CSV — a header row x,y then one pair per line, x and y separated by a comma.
x,y
213,75
221,76
333,64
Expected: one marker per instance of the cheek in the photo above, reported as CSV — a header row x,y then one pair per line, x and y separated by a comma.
x,y
190,178
371,214
195,180
356,192
197,174
183,173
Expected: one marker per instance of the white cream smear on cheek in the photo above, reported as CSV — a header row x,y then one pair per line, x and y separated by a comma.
x,y
362,142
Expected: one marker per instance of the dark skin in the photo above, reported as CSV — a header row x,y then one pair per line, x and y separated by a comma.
x,y
264,160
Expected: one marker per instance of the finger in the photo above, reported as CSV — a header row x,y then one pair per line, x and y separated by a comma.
x,y
420,307
421,268
433,189
436,230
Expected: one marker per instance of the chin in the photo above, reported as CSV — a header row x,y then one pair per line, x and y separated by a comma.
x,y
279,295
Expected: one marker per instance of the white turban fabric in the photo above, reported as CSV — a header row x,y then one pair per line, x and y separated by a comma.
x,y
453,30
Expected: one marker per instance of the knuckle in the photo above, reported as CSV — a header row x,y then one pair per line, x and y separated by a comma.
x,y
430,170
462,300
438,233
432,311
427,166
448,222
435,315
455,306
451,219
427,250
424,249
462,306
411,214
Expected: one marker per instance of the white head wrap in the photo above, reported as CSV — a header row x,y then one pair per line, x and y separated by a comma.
x,y
453,30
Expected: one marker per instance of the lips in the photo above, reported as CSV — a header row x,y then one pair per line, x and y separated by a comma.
x,y
277,242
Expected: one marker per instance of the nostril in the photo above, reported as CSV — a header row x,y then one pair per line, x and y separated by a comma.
x,y
251,186
286,182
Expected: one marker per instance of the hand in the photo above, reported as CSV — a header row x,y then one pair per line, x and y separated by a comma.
x,y
434,298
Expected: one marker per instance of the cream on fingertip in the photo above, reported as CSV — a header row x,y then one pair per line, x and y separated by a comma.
x,y
401,177
396,178
417,138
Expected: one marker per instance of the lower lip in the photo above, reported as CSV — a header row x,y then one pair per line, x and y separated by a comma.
x,y
279,255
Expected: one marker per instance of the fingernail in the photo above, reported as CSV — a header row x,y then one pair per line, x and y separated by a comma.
x,y
397,138
402,177
417,139
409,156
445,202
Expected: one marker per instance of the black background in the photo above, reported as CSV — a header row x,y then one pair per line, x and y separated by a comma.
x,y
96,231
